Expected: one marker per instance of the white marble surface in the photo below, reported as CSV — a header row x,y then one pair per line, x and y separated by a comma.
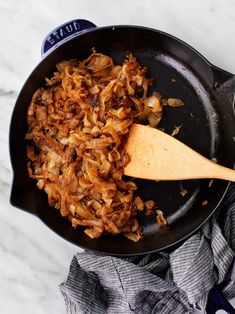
x,y
33,260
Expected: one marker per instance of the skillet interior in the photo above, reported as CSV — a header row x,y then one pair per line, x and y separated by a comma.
x,y
207,126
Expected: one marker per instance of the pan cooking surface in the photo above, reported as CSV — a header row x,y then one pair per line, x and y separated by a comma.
x,y
199,130
179,72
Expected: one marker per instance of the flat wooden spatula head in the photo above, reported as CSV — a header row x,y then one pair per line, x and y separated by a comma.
x,y
155,155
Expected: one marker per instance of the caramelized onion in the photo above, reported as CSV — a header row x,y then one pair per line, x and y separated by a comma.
x,y
78,126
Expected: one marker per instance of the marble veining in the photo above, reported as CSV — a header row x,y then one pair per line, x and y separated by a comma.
x,y
34,260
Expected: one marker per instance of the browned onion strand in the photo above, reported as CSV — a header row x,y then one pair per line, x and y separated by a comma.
x,y
78,125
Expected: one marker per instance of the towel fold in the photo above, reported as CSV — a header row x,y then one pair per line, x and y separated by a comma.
x,y
175,282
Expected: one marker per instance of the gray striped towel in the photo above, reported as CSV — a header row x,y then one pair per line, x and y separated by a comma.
x,y
161,282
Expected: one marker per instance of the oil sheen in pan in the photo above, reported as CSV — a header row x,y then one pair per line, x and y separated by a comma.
x,y
200,125
202,94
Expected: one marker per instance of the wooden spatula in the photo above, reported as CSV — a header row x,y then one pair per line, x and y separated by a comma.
x,y
156,155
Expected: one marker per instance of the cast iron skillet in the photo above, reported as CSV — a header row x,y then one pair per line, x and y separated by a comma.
x,y
207,119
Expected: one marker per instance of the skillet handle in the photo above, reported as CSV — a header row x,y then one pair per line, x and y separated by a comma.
x,y
63,33
216,301
22,197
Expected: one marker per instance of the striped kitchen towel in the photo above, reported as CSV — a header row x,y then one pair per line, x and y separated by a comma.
x,y
161,282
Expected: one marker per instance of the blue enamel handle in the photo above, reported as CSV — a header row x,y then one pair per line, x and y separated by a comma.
x,y
63,33
216,301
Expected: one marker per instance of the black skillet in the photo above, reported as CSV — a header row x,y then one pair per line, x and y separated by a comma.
x,y
207,119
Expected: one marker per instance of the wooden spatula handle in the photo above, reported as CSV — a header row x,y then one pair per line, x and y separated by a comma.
x,y
220,172
158,156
